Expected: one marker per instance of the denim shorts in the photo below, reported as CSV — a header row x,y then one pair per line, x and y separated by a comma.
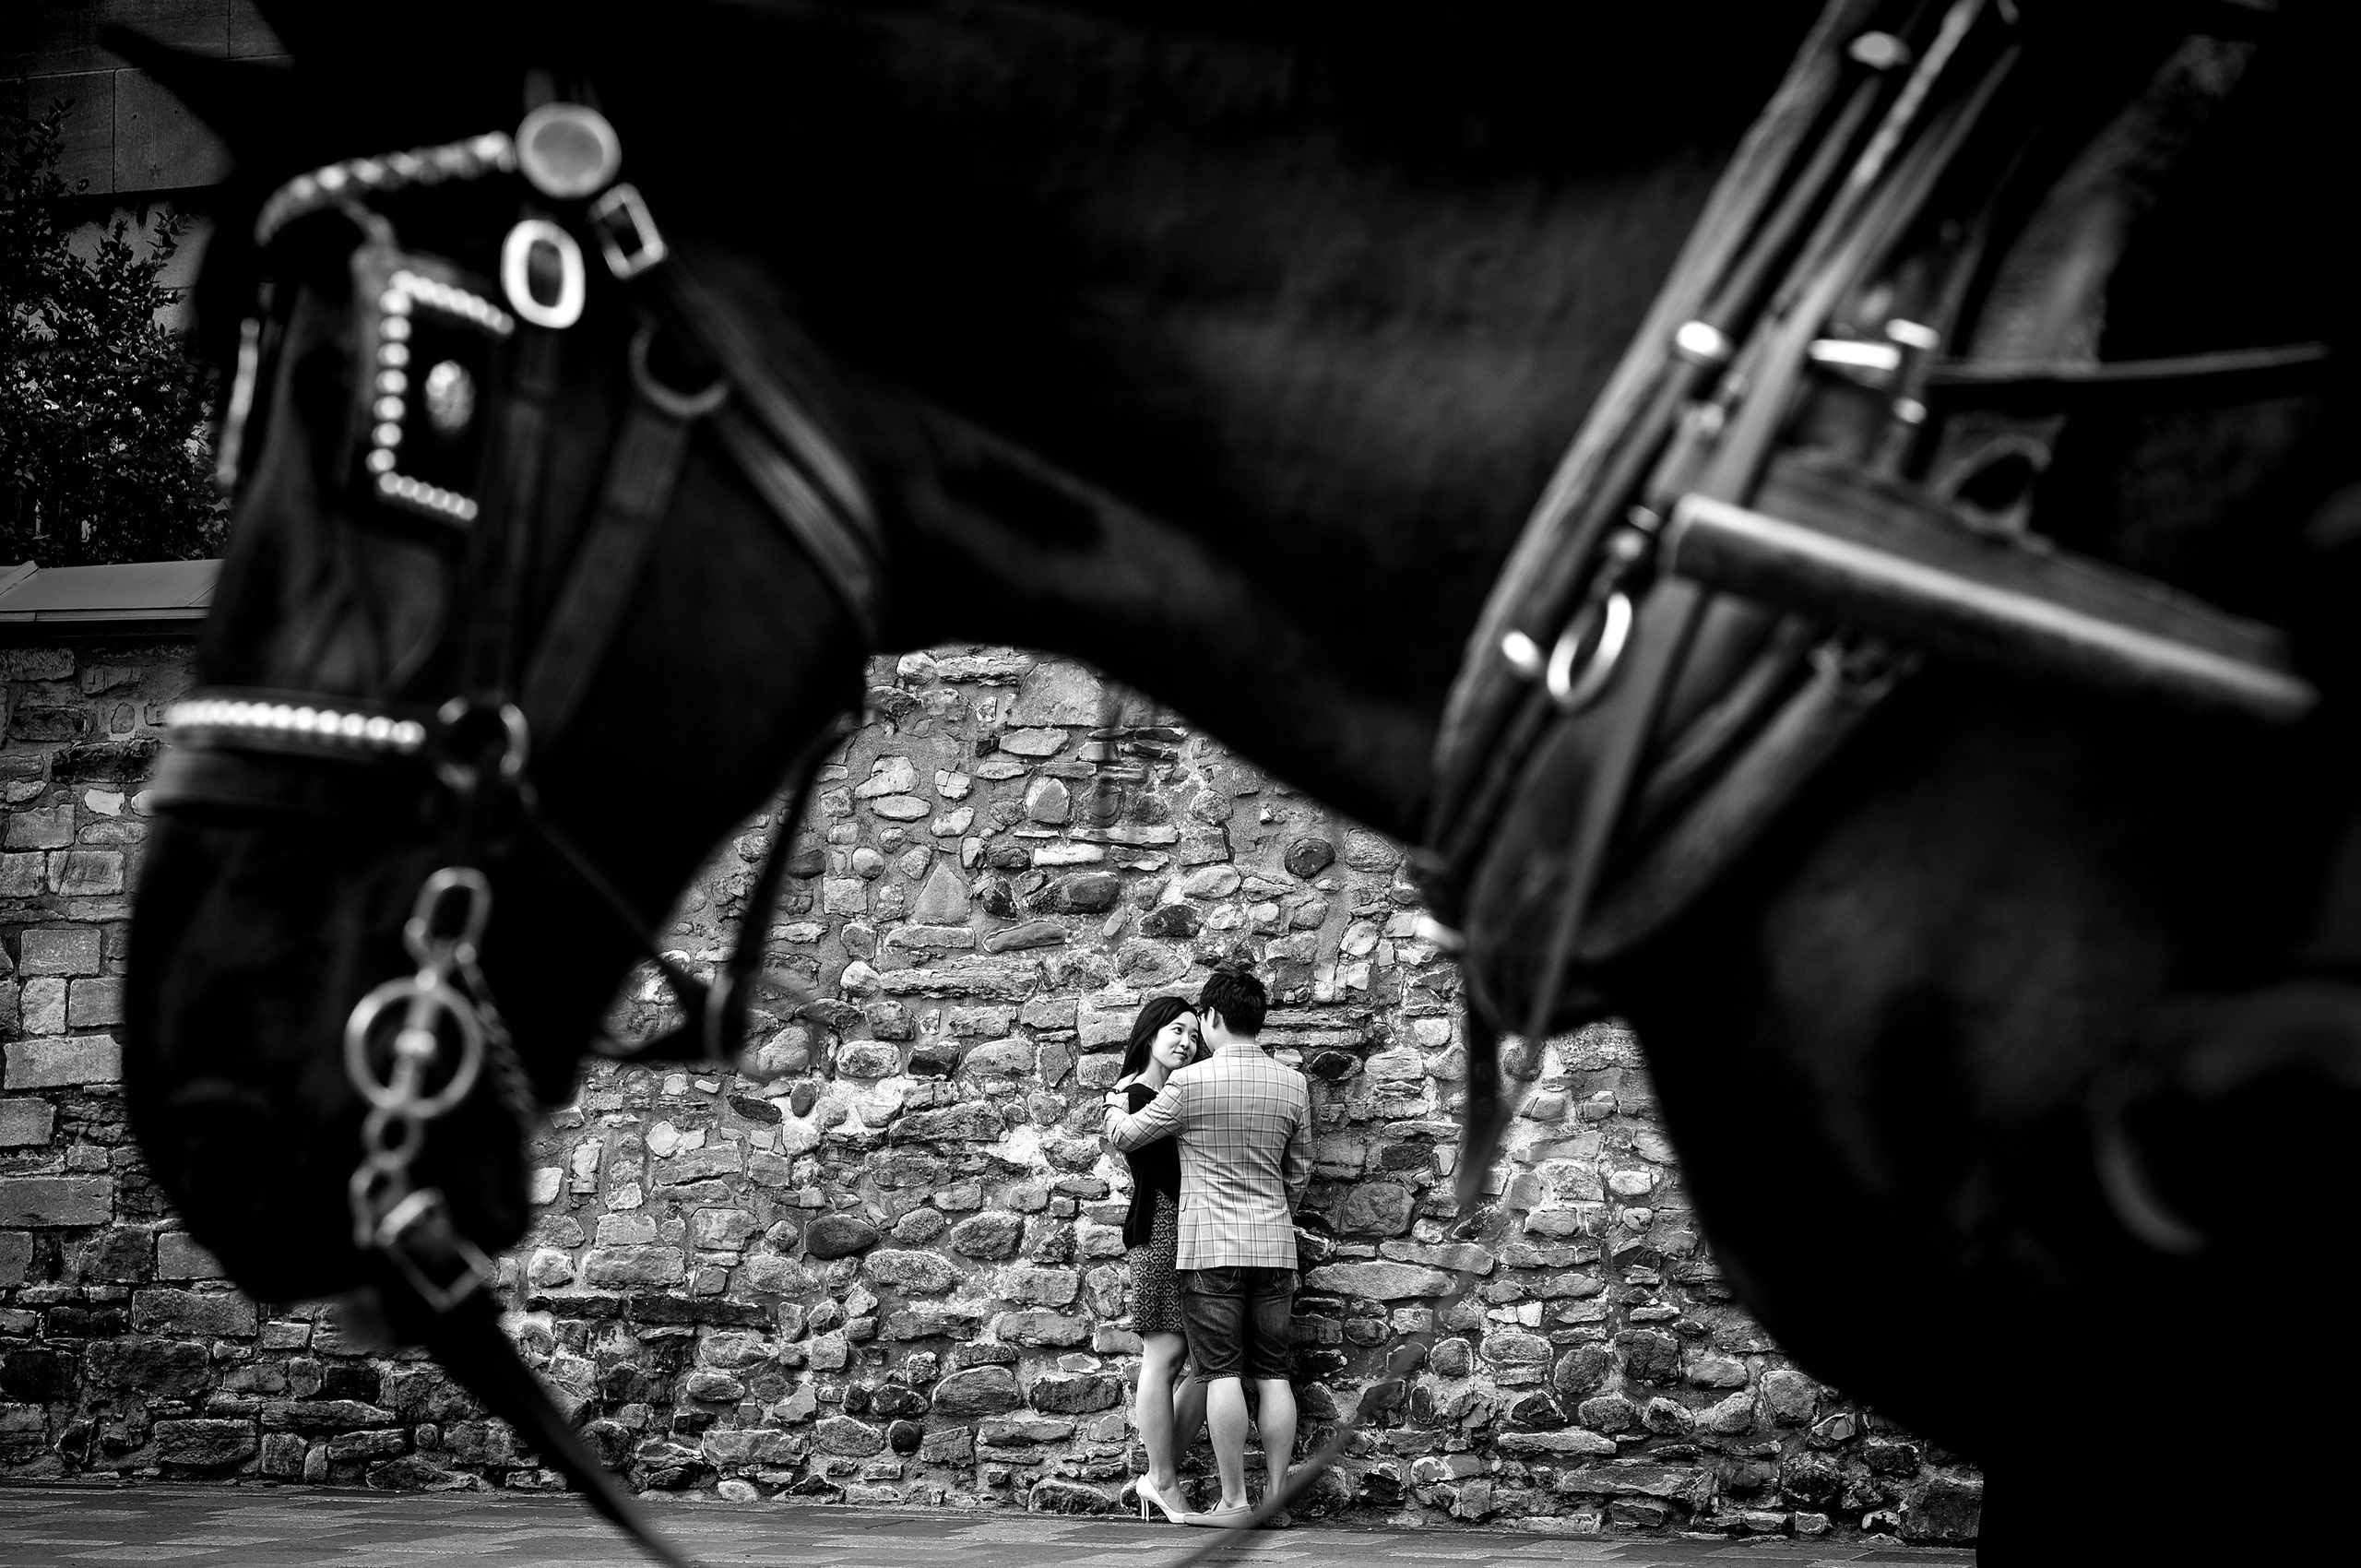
x,y
1238,1321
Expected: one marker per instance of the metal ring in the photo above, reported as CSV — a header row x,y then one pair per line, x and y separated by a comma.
x,y
1572,694
418,932
431,992
518,735
681,405
516,275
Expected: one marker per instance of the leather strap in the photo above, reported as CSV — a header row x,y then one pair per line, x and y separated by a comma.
x,y
642,473
501,541
2237,375
777,444
815,525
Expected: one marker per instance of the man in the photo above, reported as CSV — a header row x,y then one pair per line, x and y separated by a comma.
x,y
1244,1125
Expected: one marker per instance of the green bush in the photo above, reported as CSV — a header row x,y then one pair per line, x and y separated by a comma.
x,y
103,450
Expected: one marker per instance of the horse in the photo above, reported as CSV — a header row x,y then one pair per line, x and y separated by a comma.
x,y
1228,347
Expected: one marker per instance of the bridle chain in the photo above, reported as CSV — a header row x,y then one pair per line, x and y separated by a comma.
x,y
422,1077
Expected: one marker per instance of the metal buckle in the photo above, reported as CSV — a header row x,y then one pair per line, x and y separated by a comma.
x,y
627,233
516,274
682,405
425,1216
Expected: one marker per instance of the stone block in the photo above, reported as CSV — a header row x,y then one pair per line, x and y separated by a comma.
x,y
888,775
1057,1330
846,1436
282,1456
86,873
26,1122
39,828
930,1320
924,1273
1031,742
1030,934
60,950
868,1059
839,1235
94,1004
62,1061
1380,1281
323,1415
36,664
24,875
1075,1393
723,1230
43,1201
977,1391
206,1444
16,1257
1950,1510
40,1005
609,1267
1014,1057
216,1314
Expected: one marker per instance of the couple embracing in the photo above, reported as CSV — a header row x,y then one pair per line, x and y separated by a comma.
x,y
1220,1139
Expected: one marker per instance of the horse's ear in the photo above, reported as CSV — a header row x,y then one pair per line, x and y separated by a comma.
x,y
241,101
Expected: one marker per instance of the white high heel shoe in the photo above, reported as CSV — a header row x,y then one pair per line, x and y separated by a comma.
x,y
1149,1496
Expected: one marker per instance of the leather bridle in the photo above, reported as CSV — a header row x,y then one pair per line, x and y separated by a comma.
x,y
1770,485
450,438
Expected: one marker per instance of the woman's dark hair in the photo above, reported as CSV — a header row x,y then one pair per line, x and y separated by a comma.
x,y
1158,1012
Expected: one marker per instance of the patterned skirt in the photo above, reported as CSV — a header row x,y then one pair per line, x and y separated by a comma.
x,y
1156,1285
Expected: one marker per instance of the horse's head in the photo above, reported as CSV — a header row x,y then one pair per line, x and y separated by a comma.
x,y
507,552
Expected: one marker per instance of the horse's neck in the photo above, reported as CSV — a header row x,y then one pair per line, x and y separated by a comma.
x,y
1283,442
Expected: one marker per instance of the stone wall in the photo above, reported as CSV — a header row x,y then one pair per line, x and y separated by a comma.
x,y
886,1267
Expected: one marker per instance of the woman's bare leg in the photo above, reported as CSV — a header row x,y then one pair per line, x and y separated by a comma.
x,y
1152,1408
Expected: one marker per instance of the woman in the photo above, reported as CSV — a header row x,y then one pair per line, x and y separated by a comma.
x,y
1164,1039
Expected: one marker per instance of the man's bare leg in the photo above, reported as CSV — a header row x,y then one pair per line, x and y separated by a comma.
x,y
1278,1419
1225,1416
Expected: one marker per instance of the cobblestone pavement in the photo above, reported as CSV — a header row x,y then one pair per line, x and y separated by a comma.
x,y
43,1527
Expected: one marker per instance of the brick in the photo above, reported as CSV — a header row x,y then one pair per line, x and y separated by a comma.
x,y
1380,1281
207,1444
26,1122
86,873
15,1256
52,1063
39,828
24,875
60,950
36,664
220,1315
93,1003
40,1005
55,1200
179,1257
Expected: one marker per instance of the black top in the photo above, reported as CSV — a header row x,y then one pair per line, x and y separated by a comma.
x,y
1155,1167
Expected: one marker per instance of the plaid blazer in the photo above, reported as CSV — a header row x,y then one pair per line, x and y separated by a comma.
x,y
1244,1124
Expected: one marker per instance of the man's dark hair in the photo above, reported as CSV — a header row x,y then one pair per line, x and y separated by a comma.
x,y
1234,992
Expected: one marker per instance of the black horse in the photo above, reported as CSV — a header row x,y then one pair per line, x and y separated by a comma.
x,y
1228,346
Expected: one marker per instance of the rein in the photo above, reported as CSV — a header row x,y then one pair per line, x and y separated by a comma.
x,y
1766,522
451,438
